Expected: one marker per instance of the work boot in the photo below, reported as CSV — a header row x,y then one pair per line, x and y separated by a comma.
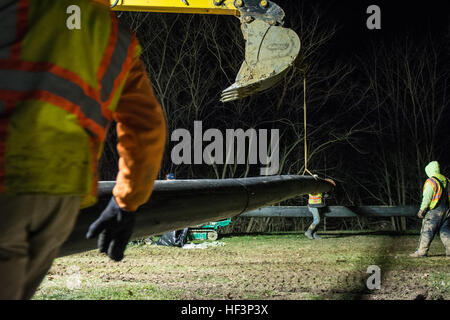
x,y
316,237
309,235
417,255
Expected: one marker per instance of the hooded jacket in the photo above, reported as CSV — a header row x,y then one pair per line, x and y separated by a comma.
x,y
431,188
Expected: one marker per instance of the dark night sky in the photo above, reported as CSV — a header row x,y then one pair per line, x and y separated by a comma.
x,y
399,18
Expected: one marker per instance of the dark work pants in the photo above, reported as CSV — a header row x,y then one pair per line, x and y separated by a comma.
x,y
32,229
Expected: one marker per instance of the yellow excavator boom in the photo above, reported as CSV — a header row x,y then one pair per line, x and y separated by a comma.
x,y
270,49
226,7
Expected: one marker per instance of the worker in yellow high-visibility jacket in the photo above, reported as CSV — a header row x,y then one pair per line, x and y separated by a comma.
x,y
316,203
434,210
60,88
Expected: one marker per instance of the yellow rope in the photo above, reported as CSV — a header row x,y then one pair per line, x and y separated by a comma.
x,y
304,125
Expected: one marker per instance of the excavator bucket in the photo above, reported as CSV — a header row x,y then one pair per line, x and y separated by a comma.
x,y
270,51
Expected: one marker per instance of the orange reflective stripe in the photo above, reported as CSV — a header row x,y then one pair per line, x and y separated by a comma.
x,y
315,199
115,63
25,85
123,52
94,124
57,70
33,79
44,81
437,190
106,59
92,127
433,184
125,67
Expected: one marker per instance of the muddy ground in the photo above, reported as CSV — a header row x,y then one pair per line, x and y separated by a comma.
x,y
270,266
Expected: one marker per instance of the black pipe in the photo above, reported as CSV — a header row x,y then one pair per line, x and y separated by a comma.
x,y
335,212
179,204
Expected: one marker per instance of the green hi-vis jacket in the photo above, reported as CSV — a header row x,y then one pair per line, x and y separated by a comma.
x,y
432,190
58,89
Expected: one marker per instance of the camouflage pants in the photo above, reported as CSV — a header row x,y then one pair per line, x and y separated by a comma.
x,y
435,221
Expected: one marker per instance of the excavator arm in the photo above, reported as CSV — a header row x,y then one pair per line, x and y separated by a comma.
x,y
177,6
270,49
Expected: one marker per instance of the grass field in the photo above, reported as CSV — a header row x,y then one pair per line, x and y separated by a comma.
x,y
269,266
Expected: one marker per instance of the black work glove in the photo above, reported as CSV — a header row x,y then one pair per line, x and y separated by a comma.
x,y
421,213
114,227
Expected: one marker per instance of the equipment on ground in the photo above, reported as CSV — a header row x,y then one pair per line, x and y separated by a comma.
x,y
175,238
270,49
208,231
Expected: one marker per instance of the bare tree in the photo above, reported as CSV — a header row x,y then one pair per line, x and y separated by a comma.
x,y
408,98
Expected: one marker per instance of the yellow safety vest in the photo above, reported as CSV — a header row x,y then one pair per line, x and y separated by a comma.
x,y
58,90
437,191
315,199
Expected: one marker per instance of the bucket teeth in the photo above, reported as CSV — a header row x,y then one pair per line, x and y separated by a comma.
x,y
270,51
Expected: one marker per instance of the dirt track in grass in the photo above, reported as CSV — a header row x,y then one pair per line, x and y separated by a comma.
x,y
271,266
